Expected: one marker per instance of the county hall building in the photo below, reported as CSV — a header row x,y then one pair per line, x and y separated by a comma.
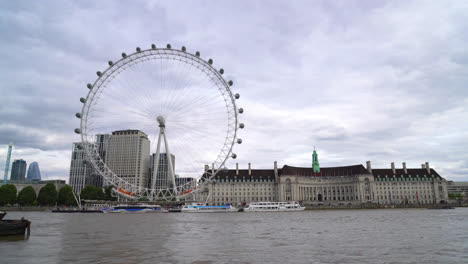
x,y
314,185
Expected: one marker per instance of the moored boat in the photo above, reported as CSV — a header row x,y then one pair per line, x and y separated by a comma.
x,y
14,227
198,208
274,207
139,208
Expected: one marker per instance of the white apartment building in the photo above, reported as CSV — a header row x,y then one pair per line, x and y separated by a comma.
x,y
128,156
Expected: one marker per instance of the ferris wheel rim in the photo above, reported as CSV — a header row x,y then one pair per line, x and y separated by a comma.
x,y
126,62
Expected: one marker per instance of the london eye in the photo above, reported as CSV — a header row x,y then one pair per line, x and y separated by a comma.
x,y
180,102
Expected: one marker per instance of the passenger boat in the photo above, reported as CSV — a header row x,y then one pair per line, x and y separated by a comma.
x,y
14,227
139,208
274,207
198,208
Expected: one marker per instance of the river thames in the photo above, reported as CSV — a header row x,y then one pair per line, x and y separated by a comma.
x,y
325,236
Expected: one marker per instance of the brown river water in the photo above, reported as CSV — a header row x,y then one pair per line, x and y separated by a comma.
x,y
319,236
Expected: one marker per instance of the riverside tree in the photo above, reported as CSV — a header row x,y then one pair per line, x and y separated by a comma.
x,y
65,196
92,193
47,195
108,192
27,196
7,194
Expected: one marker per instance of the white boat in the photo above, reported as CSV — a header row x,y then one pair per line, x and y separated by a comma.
x,y
274,207
139,208
199,208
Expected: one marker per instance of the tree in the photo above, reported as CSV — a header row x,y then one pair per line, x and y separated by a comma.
x,y
27,196
65,196
7,194
92,193
47,195
108,191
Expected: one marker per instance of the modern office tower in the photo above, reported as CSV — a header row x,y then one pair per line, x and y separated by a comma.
x,y
34,174
102,143
18,170
128,156
80,169
162,178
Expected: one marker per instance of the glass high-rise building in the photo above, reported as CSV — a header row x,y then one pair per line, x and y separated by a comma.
x,y
162,179
80,169
34,174
18,170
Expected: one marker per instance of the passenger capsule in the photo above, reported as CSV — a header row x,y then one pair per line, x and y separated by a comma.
x,y
89,86
197,54
153,46
221,71
79,146
210,61
110,63
83,100
124,54
241,110
168,46
78,115
77,130
138,49
230,83
184,49
241,125
234,155
237,96
99,73
239,141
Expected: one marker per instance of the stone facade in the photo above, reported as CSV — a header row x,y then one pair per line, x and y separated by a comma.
x,y
344,185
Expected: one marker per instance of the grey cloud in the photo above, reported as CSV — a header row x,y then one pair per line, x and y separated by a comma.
x,y
361,81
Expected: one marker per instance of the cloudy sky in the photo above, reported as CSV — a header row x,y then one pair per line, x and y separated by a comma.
x,y
384,81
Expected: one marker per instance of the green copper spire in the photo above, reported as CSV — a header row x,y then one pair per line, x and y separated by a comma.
x,y
315,162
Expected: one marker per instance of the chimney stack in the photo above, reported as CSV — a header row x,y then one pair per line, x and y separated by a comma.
x,y
393,167
404,168
369,169
250,170
237,169
428,168
207,168
423,166
275,169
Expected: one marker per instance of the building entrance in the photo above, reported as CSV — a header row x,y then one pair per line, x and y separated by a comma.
x,y
320,197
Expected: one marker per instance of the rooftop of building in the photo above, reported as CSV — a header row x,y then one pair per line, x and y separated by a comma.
x,y
128,132
254,174
324,171
400,173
